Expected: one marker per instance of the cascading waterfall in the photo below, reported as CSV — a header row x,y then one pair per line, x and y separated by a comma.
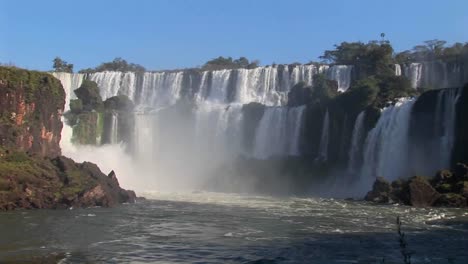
x,y
356,142
413,71
278,132
445,124
341,74
114,138
70,82
386,146
324,139
397,70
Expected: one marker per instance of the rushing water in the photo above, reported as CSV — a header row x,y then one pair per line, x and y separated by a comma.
x,y
229,228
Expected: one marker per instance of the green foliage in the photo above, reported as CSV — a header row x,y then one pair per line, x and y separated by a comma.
x,y
33,83
118,64
360,95
373,58
76,106
392,87
62,66
229,63
89,95
434,50
86,130
323,89
119,103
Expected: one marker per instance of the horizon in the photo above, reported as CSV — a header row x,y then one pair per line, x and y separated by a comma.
x,y
150,35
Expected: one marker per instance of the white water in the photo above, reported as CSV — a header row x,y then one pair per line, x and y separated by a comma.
x,y
278,132
114,138
386,147
356,143
397,70
414,72
70,82
445,116
341,74
324,139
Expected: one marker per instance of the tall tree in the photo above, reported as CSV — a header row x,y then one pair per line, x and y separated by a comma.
x,y
62,66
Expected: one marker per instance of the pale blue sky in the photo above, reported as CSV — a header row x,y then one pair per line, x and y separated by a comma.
x,y
167,34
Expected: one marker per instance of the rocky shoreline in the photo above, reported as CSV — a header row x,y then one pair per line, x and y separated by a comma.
x,y
448,188
33,174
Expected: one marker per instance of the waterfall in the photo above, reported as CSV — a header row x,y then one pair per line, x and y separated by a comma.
x,y
341,74
160,89
324,139
114,138
413,71
278,132
444,125
356,142
295,116
70,82
397,70
386,146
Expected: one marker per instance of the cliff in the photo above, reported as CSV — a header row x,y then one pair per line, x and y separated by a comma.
x,y
30,107
32,172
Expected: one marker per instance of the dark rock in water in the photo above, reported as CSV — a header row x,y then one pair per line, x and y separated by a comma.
x,y
421,193
462,188
380,191
451,200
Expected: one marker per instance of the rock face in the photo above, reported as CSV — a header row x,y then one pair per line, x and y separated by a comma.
x,y
380,192
31,104
447,188
30,181
32,172
421,193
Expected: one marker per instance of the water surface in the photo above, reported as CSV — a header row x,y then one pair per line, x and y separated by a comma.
x,y
230,228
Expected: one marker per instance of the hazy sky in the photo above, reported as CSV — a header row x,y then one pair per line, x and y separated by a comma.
x,y
166,34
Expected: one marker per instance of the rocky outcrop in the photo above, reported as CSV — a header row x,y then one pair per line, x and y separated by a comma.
x,y
32,172
30,181
447,188
31,104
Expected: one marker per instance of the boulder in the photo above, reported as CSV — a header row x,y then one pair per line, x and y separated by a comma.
x,y
421,193
380,192
451,200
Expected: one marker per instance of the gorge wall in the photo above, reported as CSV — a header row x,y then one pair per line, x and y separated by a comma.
x,y
33,174
31,104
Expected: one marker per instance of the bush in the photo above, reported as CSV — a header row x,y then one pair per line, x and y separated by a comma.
x,y
89,95
76,106
119,103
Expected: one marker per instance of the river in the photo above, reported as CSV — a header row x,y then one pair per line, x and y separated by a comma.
x,y
203,227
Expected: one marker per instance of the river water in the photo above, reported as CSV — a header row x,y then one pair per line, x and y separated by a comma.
x,y
229,228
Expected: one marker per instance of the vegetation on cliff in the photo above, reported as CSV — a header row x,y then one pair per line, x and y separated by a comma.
x,y
92,119
62,66
118,64
229,63
30,107
30,181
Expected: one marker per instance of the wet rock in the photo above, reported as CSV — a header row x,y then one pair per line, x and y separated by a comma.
x,y
380,192
421,193
451,200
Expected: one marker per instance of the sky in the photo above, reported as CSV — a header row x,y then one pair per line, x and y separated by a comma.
x,y
171,34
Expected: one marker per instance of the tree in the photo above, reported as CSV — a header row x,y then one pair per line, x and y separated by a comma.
x,y
323,89
62,66
118,64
